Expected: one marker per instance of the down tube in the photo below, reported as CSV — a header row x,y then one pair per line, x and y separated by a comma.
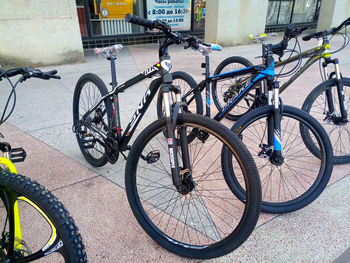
x,y
138,114
221,115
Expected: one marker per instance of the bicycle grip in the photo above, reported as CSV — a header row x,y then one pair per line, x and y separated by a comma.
x,y
308,37
139,21
52,72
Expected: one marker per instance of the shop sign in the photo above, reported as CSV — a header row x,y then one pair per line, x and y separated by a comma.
x,y
111,9
177,13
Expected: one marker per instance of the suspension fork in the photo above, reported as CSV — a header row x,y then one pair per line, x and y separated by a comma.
x,y
172,142
277,121
274,128
340,89
183,138
8,198
328,92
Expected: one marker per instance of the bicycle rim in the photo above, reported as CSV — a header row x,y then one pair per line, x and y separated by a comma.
x,y
36,232
302,176
339,133
202,222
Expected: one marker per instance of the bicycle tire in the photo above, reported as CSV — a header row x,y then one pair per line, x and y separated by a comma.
x,y
339,134
28,194
91,85
227,65
301,183
186,83
141,203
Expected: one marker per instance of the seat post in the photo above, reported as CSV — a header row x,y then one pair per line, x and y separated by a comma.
x,y
113,72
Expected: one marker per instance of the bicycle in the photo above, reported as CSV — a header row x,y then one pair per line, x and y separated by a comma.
x,y
328,102
34,223
270,154
167,178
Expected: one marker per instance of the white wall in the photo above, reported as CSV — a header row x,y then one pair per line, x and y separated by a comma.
x,y
39,32
333,13
229,22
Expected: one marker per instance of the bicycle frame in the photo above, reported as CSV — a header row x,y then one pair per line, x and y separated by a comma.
x,y
123,139
114,130
314,54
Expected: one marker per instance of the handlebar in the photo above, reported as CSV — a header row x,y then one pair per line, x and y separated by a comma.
x,y
175,37
29,73
333,31
291,32
139,21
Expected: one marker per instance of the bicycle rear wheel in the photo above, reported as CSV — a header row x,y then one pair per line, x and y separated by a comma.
x,y
302,176
209,221
339,133
88,91
35,224
224,91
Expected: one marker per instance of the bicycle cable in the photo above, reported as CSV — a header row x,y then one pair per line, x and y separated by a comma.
x,y
298,64
346,41
13,92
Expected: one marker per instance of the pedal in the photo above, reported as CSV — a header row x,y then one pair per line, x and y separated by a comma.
x,y
18,155
153,156
88,140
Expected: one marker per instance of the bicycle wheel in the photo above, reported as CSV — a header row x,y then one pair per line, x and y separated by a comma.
x,y
88,91
302,176
339,133
186,83
224,91
39,226
210,220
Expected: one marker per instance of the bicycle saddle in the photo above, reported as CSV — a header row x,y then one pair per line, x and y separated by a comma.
x,y
108,52
206,48
262,37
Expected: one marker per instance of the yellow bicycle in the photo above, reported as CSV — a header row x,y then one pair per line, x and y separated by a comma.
x,y
33,223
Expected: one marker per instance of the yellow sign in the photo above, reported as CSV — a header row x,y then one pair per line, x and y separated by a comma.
x,y
109,9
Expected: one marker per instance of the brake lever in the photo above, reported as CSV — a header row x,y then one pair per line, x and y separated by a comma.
x,y
24,77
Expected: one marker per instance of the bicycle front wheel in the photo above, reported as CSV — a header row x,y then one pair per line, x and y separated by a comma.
x,y
226,90
88,91
209,221
302,176
316,104
35,224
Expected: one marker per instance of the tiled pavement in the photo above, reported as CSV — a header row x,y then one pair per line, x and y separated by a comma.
x,y
96,199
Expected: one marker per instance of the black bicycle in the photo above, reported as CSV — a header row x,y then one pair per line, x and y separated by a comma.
x,y
174,183
276,136
34,224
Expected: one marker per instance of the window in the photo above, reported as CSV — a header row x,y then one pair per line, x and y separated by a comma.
x,y
283,12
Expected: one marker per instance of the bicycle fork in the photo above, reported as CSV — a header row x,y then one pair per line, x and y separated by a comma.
x,y
181,178
342,119
274,127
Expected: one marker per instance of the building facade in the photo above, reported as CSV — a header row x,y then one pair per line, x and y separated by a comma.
x,y
40,32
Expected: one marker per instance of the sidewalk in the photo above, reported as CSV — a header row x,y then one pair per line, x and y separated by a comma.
x,y
95,197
